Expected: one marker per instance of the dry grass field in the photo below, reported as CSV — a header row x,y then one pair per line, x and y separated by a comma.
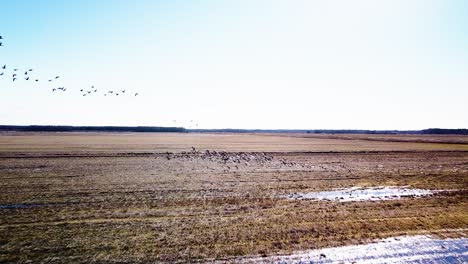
x,y
145,198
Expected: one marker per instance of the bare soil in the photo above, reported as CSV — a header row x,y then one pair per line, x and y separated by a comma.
x,y
145,198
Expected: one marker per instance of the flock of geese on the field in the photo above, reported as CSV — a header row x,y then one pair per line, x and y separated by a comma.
x,y
234,160
17,75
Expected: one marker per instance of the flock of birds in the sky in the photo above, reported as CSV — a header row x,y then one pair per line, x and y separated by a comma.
x,y
28,75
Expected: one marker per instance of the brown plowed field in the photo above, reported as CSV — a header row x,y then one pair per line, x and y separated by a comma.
x,y
145,198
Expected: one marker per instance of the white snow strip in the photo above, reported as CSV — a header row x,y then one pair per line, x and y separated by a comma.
x,y
403,249
363,194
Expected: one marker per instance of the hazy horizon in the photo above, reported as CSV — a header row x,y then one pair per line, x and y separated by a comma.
x,y
371,65
227,129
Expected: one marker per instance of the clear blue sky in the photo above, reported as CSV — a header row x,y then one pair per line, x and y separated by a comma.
x,y
396,64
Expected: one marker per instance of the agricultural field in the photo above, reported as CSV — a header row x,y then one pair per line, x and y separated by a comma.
x,y
225,198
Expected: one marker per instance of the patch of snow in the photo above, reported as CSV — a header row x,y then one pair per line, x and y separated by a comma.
x,y
363,194
403,249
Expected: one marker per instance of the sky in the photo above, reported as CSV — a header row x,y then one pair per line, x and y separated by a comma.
x,y
265,64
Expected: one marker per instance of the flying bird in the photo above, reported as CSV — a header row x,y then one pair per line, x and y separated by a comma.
x,y
15,69
81,90
53,90
4,67
27,78
30,69
14,79
25,73
50,80
56,77
37,80
123,91
136,94
14,74
1,73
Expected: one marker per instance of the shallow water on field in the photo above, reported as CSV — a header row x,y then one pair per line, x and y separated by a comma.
x,y
33,205
403,249
18,206
363,194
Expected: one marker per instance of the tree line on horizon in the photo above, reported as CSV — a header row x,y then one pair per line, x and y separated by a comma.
x,y
36,128
45,128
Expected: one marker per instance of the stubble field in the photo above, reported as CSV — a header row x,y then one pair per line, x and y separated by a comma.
x,y
145,198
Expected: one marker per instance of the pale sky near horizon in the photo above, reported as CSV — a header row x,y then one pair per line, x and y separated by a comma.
x,y
364,64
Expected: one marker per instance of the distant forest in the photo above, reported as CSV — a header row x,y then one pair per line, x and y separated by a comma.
x,y
430,131
441,131
91,129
